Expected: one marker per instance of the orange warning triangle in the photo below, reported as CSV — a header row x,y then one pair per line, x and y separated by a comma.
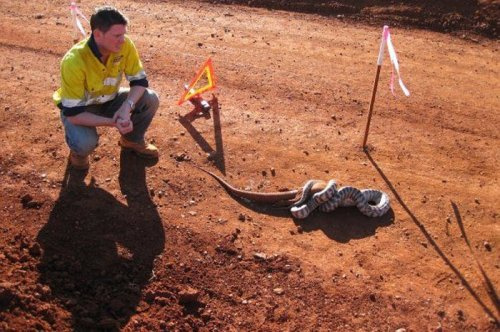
x,y
203,81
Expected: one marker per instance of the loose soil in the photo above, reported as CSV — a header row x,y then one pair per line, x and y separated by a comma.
x,y
134,245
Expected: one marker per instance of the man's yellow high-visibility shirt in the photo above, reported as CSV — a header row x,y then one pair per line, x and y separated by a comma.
x,y
85,80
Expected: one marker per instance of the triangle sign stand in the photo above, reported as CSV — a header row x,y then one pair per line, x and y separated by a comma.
x,y
205,74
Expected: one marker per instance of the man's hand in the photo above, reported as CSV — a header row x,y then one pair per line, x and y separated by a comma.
x,y
124,126
122,119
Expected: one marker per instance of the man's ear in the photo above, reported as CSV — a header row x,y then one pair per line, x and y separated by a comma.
x,y
97,33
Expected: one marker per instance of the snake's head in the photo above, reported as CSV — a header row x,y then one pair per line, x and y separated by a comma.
x,y
304,193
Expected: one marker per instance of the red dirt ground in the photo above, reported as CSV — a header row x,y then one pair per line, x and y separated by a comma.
x,y
139,246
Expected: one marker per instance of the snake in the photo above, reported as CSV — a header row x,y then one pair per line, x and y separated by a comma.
x,y
314,194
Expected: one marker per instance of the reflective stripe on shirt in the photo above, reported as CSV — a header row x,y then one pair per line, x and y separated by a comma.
x,y
91,101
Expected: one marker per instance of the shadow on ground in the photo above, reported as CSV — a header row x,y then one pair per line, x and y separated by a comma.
x,y
99,252
345,224
480,17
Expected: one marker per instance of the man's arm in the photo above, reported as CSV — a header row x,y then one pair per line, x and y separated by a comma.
x,y
91,120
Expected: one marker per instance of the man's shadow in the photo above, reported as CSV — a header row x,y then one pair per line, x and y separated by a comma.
x,y
98,253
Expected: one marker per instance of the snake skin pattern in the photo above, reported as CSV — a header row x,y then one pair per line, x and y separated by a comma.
x,y
370,202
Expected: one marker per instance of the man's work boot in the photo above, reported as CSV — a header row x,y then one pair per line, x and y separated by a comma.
x,y
144,149
79,162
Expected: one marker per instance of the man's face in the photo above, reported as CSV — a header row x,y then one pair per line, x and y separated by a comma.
x,y
113,39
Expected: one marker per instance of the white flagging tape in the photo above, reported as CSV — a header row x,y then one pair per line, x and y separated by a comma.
x,y
77,24
386,40
383,41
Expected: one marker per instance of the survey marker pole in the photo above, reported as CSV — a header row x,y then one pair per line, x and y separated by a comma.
x,y
375,84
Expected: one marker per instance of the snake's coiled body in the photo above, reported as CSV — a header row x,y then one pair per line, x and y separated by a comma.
x,y
370,202
315,194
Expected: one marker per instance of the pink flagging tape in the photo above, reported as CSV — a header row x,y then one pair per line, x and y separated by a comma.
x,y
386,40
394,60
75,14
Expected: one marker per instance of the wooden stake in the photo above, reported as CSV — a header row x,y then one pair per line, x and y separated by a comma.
x,y
383,41
372,102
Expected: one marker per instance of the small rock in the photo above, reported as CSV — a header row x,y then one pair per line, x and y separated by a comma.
x,y
273,171
487,245
205,316
192,213
38,16
43,290
476,200
29,203
264,173
26,199
241,217
33,205
300,229
278,291
182,157
188,295
260,255
401,330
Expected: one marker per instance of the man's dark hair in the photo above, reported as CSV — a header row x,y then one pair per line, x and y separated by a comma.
x,y
106,16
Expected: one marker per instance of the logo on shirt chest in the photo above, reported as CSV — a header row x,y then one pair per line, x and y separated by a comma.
x,y
117,59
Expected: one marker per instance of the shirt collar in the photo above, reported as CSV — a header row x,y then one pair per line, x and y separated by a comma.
x,y
93,47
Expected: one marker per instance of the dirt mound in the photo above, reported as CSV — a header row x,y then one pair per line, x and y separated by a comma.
x,y
480,17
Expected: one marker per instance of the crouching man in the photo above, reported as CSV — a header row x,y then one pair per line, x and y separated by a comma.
x,y
90,95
